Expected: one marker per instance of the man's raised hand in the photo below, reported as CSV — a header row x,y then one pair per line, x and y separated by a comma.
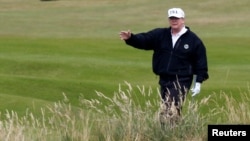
x,y
124,35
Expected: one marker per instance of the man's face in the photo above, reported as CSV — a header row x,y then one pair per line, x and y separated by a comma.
x,y
176,23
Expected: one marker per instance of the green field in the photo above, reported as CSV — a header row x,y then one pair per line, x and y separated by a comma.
x,y
72,47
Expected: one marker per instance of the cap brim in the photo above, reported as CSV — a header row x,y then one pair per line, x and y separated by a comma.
x,y
174,17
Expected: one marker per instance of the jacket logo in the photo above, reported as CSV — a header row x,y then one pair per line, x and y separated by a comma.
x,y
186,46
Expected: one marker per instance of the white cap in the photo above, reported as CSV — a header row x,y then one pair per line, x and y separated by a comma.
x,y
176,12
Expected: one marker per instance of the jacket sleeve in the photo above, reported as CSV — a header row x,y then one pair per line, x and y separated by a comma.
x,y
201,65
144,41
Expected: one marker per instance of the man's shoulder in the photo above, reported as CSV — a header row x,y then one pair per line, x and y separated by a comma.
x,y
162,29
191,33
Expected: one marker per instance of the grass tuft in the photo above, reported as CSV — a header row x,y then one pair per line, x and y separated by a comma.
x,y
122,117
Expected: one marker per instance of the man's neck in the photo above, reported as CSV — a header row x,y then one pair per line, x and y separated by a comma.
x,y
176,30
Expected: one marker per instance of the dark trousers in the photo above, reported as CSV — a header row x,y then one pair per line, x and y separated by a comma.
x,y
174,90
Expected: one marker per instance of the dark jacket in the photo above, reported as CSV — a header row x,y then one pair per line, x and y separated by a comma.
x,y
188,57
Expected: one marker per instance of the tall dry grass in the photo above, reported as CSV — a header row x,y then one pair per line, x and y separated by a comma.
x,y
130,115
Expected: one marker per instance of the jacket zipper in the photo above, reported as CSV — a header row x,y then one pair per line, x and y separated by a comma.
x,y
170,59
175,47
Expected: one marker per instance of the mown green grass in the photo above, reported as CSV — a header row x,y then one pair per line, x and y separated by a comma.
x,y
72,47
45,68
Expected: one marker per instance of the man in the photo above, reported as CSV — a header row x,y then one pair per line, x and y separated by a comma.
x,y
178,55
